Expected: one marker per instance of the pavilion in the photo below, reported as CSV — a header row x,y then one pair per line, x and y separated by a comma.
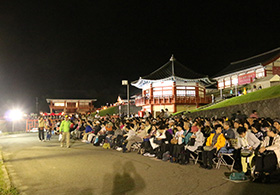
x,y
71,105
174,87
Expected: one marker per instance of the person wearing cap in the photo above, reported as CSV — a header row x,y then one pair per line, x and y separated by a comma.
x,y
65,130
192,146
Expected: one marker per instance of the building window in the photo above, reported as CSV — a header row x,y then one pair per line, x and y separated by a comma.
x,y
162,91
190,93
234,80
185,93
84,103
58,104
201,94
221,83
260,73
227,82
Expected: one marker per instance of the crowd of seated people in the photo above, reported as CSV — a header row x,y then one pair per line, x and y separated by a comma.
x,y
180,139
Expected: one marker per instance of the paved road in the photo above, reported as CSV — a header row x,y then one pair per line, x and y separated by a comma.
x,y
46,168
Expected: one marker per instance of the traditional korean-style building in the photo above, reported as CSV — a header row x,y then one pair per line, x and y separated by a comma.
x,y
71,105
250,70
172,86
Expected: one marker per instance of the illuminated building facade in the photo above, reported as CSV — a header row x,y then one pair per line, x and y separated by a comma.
x,y
71,105
249,70
172,86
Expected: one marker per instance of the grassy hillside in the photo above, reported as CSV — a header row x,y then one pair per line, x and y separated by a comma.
x,y
268,93
110,111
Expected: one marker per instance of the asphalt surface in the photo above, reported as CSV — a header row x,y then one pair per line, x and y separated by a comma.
x,y
45,168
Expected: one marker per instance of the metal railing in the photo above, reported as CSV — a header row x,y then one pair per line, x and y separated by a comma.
x,y
140,101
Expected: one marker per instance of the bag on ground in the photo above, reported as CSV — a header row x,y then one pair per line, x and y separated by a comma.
x,y
106,146
238,176
166,156
60,137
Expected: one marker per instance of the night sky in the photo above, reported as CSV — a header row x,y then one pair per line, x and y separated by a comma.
x,y
83,49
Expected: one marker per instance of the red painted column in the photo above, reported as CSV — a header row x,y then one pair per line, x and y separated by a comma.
x,y
151,99
65,105
51,105
197,94
79,106
174,95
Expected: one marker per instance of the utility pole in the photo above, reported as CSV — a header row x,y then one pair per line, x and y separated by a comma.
x,y
37,105
125,82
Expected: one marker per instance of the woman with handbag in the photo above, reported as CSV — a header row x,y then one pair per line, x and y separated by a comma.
x,y
214,143
196,140
178,145
248,143
268,157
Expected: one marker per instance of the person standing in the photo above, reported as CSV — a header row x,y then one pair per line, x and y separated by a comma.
x,y
65,130
49,128
41,126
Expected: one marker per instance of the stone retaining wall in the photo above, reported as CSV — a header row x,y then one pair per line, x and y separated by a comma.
x,y
133,109
265,108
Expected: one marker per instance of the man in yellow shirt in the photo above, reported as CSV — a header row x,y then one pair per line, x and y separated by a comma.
x,y
65,130
41,126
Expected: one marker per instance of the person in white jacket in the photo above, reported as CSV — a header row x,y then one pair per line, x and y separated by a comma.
x,y
247,140
269,156
199,139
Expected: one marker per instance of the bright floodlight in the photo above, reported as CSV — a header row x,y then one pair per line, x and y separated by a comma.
x,y
15,115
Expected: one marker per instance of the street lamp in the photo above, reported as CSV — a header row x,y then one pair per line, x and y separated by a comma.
x,y
14,115
125,82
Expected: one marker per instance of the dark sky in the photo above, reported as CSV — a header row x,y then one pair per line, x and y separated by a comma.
x,y
84,48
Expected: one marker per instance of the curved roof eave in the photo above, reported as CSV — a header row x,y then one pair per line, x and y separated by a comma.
x,y
141,82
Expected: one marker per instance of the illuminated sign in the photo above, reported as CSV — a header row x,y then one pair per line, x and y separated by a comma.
x,y
246,78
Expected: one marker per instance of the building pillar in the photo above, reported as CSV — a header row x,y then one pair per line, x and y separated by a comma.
x,y
65,105
151,93
197,95
152,111
78,107
204,92
174,95
174,108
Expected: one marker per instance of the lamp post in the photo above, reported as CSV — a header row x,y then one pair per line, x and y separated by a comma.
x,y
14,115
125,82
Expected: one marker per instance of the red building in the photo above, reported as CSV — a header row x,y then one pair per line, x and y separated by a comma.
x,y
71,105
250,70
172,86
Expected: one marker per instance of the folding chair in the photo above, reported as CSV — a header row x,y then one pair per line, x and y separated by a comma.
x,y
136,146
195,159
222,161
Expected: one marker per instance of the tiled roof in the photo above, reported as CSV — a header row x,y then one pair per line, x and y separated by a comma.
x,y
173,68
261,59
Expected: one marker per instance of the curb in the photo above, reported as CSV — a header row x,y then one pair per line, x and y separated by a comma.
x,y
6,178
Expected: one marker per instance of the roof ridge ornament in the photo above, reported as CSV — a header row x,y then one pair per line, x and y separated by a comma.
x,y
172,59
